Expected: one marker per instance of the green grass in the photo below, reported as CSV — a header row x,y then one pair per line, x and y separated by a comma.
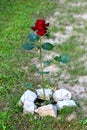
x,y
16,18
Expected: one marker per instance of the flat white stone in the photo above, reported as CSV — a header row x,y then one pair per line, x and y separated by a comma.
x,y
29,96
61,104
61,94
40,93
46,110
29,107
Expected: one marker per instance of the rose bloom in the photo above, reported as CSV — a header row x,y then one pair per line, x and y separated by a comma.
x,y
40,27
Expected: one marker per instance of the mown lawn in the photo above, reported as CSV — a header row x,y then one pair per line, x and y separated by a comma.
x,y
16,18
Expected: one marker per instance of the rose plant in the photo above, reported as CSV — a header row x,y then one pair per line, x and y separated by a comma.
x,y
35,41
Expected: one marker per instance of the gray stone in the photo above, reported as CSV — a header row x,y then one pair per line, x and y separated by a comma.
x,y
61,104
61,94
29,96
40,93
29,107
46,110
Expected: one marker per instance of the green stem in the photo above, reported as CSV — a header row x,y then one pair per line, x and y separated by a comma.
x,y
41,65
42,76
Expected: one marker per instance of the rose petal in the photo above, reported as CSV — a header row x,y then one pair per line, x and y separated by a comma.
x,y
41,32
34,28
40,22
40,27
47,24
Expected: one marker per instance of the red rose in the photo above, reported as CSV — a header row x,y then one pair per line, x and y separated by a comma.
x,y
40,27
41,32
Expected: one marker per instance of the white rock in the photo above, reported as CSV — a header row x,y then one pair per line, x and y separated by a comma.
x,y
29,96
40,93
50,110
61,94
29,106
61,104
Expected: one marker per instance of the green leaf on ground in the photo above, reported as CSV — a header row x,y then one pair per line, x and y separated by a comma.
x,y
47,46
28,46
